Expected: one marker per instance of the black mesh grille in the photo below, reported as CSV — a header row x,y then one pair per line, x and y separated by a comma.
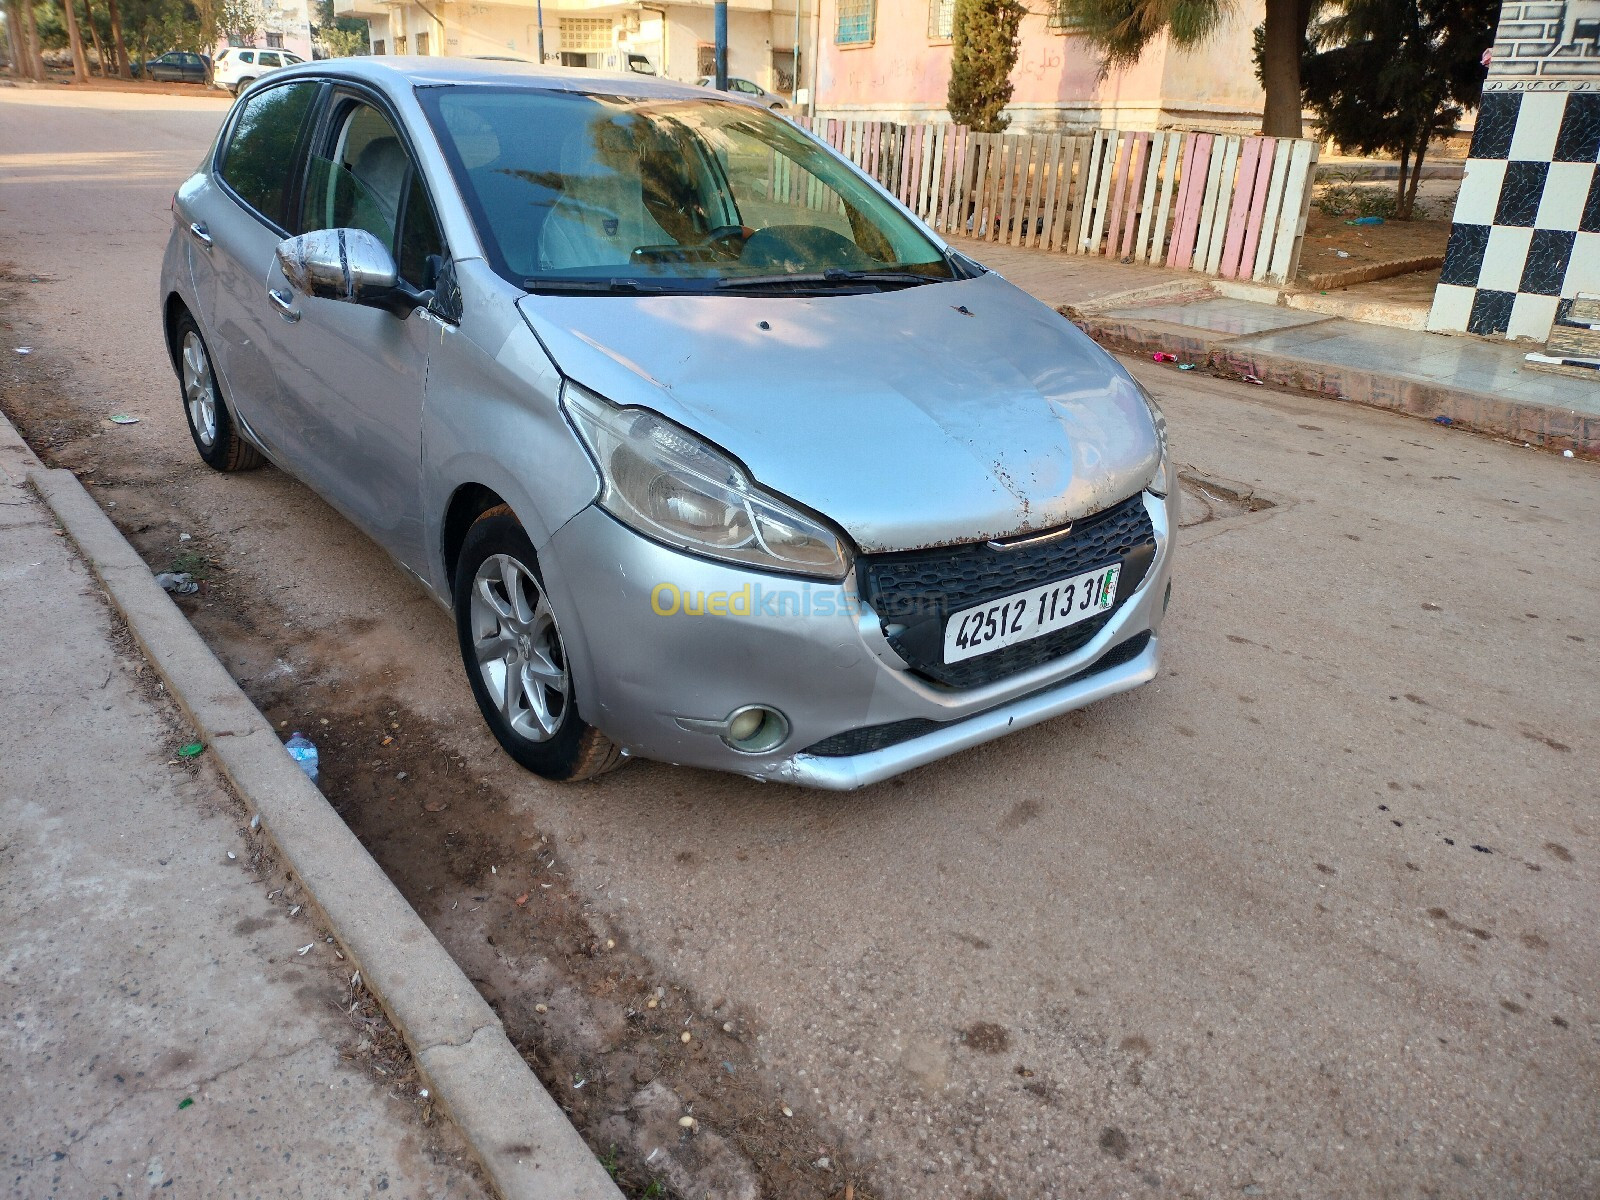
x,y
914,591
878,737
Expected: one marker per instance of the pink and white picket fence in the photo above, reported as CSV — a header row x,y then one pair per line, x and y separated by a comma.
x,y
1228,206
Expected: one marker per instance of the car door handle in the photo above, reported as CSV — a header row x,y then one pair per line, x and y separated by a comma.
x,y
198,232
283,300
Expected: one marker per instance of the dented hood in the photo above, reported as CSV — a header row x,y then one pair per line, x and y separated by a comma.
x,y
900,417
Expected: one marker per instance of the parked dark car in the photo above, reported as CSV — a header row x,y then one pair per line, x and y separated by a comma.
x,y
175,66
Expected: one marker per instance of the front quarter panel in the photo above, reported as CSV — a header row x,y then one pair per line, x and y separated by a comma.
x,y
493,417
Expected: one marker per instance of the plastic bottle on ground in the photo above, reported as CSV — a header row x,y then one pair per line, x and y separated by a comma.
x,y
304,751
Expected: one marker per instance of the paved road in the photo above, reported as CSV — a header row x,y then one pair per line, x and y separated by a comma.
x,y
1313,914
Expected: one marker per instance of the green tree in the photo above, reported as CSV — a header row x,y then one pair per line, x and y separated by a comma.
x,y
339,37
119,45
983,50
58,29
1389,75
155,26
236,22
20,15
1121,29
80,60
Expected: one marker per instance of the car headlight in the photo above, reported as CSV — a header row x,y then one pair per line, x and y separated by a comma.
x,y
667,484
1161,482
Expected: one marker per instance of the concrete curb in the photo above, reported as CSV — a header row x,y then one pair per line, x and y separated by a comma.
x,y
1537,424
527,1147
1372,271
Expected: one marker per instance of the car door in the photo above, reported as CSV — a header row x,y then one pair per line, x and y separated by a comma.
x,y
268,60
237,213
354,375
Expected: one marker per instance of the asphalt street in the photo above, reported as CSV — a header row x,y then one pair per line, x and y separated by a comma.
x,y
1314,914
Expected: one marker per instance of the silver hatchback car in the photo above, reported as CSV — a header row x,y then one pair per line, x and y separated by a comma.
x,y
716,453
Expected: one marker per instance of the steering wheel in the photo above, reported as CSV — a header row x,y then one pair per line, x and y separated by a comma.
x,y
801,248
729,240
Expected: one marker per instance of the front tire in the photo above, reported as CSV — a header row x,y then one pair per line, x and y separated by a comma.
x,y
515,658
211,425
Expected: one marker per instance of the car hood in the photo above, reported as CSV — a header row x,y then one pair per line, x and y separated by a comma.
x,y
945,413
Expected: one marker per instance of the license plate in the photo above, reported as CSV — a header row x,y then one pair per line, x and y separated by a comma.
x,y
1027,615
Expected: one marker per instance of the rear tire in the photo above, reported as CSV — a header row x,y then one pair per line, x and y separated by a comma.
x,y
515,658
241,85
211,425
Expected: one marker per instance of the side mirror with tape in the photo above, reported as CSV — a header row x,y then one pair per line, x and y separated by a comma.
x,y
350,265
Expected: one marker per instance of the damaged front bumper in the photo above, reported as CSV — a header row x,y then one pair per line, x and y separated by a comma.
x,y
665,647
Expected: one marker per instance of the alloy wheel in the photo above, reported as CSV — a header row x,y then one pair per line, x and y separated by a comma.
x,y
199,390
518,648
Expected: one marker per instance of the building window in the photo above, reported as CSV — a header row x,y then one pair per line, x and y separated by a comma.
x,y
377,46
400,44
422,43
783,70
941,19
586,35
275,41
1061,19
705,59
857,19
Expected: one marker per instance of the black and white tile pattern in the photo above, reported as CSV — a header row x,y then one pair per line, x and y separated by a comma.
x,y
1526,230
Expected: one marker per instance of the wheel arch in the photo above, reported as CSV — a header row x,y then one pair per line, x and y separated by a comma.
x,y
173,308
467,503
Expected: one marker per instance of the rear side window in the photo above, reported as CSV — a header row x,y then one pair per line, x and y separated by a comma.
x,y
248,56
259,160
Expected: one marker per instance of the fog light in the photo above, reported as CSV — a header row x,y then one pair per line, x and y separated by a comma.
x,y
756,729
744,726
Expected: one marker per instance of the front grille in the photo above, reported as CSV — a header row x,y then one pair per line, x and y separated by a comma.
x,y
914,591
879,737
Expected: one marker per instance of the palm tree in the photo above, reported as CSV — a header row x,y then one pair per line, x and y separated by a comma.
x,y
1121,29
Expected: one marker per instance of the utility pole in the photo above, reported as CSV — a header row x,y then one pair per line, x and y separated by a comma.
x,y
538,9
722,45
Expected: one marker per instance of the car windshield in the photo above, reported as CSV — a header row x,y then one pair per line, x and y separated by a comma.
x,y
594,193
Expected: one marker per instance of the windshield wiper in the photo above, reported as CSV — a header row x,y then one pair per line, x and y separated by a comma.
x,y
556,285
832,277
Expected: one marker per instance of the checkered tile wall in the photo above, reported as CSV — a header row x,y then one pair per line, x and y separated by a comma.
x,y
1526,232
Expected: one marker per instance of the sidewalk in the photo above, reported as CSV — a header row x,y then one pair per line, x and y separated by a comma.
x,y
162,1035
1478,384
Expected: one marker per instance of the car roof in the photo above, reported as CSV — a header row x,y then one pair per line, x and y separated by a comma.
x,y
394,71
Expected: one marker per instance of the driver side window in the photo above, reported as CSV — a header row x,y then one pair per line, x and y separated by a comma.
x,y
363,178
